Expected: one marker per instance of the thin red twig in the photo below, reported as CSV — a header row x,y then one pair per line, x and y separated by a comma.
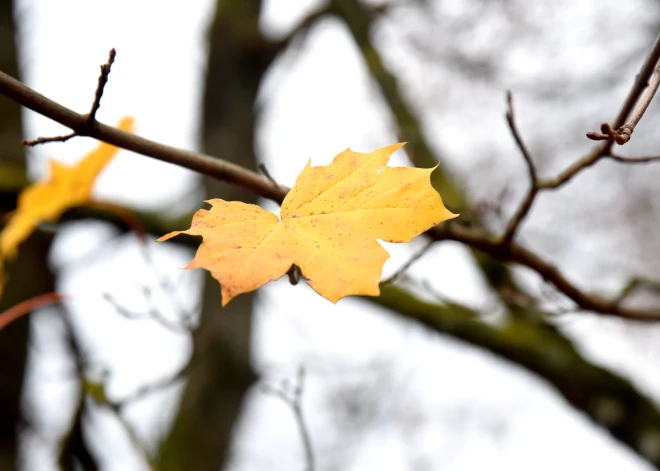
x,y
23,308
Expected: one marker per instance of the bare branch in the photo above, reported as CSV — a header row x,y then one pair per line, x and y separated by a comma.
x,y
633,160
152,313
635,284
226,171
96,390
301,29
197,162
409,263
262,168
46,140
599,153
526,205
96,104
514,253
641,82
103,80
151,388
564,177
649,79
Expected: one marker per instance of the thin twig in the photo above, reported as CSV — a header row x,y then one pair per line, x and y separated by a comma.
x,y
527,203
514,253
151,388
46,140
649,79
103,80
633,160
623,134
581,164
91,117
203,164
641,82
294,400
598,153
635,284
89,389
26,307
152,314
301,29
262,168
409,263
127,216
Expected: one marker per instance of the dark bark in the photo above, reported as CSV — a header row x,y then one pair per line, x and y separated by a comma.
x,y
74,452
28,275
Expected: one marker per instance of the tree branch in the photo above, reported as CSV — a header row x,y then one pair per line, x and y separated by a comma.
x,y
103,79
222,170
649,79
526,205
604,150
96,104
633,160
197,162
514,253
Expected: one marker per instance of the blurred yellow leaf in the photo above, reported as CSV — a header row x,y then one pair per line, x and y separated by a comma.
x,y
330,221
66,187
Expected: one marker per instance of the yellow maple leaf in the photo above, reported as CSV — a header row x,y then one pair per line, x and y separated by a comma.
x,y
66,187
330,221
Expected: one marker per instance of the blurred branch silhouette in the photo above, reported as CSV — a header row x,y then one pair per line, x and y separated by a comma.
x,y
528,201
292,397
75,452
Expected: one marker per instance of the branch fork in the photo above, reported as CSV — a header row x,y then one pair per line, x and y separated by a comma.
x,y
90,122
